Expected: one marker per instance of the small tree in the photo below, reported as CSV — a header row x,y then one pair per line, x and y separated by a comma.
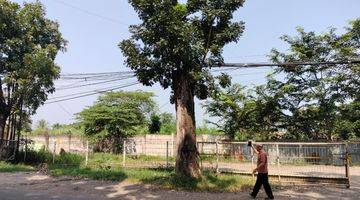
x,y
115,117
155,124
241,112
175,45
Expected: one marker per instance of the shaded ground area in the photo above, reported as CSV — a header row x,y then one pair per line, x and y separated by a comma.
x,y
31,185
313,170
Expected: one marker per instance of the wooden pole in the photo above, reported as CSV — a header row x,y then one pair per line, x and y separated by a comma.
x,y
347,163
54,151
252,161
124,153
25,149
167,154
217,157
87,153
278,161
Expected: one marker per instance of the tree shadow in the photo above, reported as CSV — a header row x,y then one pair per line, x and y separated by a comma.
x,y
209,182
87,172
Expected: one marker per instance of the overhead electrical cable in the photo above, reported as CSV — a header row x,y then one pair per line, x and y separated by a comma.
x,y
285,64
93,93
92,13
96,83
84,92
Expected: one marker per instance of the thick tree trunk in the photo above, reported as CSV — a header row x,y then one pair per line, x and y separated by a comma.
x,y
186,154
2,126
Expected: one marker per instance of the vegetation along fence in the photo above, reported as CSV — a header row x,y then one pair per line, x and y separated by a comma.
x,y
325,162
7,149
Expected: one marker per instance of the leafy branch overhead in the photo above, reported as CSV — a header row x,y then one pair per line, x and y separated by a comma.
x,y
176,38
307,102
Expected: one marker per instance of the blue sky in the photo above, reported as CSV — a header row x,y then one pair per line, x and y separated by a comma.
x,y
94,28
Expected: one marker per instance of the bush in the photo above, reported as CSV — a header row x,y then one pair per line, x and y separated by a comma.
x,y
69,159
7,167
34,157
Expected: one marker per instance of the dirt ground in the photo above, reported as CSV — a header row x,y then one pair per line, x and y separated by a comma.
x,y
16,186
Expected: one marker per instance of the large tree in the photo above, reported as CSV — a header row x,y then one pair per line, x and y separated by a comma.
x,y
29,43
312,94
175,45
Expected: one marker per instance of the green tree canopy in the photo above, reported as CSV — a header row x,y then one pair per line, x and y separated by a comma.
x,y
311,94
175,45
155,124
243,114
115,116
29,43
308,102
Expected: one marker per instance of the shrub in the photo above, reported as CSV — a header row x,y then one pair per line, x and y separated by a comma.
x,y
69,159
34,157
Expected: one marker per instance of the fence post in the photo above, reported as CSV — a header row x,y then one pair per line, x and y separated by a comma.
x,y
87,153
145,147
252,161
25,152
197,146
167,154
124,153
217,156
347,163
278,161
54,151
172,145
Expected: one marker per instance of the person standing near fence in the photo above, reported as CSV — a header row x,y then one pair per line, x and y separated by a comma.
x,y
262,170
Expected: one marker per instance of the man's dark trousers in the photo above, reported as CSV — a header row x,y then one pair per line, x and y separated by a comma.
x,y
262,179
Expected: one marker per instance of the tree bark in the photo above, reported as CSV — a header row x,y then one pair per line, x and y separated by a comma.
x,y
187,154
2,126
2,116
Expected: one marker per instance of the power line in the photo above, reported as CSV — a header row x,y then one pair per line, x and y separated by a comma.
x,y
96,83
247,56
96,73
92,13
162,106
244,74
227,66
62,108
285,64
81,93
94,76
94,93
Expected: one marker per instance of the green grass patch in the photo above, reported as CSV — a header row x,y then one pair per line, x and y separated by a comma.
x,y
7,167
161,178
103,166
209,182
106,159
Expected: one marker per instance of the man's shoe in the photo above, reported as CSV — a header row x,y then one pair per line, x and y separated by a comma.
x,y
267,198
252,196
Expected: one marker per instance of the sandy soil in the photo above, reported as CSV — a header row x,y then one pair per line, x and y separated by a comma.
x,y
16,186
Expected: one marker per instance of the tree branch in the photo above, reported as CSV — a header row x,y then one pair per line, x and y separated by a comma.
x,y
2,99
208,40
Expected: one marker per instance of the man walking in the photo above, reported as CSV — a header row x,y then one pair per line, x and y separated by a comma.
x,y
262,176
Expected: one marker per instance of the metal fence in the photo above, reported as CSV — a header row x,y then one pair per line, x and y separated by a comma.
x,y
323,160
329,161
309,160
